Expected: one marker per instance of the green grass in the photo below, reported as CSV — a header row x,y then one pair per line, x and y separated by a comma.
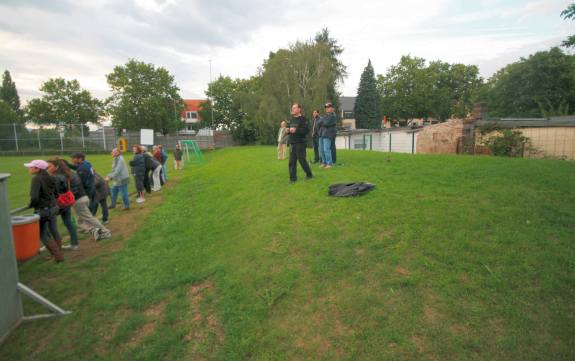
x,y
449,258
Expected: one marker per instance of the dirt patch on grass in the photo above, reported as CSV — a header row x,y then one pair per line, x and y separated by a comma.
x,y
431,314
402,271
206,334
153,314
419,343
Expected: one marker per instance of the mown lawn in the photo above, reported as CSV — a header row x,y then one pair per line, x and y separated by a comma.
x,y
449,258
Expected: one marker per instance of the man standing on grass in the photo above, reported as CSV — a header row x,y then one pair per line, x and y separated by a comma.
x,y
298,130
327,132
315,135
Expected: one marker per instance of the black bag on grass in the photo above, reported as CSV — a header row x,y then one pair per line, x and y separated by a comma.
x,y
350,189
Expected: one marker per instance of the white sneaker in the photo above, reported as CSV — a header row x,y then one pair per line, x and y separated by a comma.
x,y
140,200
74,248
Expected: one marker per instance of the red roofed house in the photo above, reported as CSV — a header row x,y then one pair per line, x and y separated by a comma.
x,y
190,114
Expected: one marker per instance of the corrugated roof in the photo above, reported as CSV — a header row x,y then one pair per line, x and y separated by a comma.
x,y
567,121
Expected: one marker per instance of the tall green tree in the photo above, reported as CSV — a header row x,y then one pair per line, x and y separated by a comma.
x,y
339,70
8,117
8,92
413,89
367,107
569,14
540,85
144,96
63,102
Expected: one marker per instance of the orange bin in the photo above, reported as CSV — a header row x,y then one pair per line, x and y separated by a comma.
x,y
26,235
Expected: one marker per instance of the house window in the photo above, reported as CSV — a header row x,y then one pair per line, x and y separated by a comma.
x,y
191,115
348,115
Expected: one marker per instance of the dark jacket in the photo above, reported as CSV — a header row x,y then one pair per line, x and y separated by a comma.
x,y
102,189
138,164
327,126
177,154
43,191
86,174
61,183
77,187
315,127
164,156
151,162
301,130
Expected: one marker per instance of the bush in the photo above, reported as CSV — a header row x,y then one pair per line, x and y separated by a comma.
x,y
508,143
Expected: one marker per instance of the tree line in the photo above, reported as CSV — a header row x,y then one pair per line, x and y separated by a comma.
x,y
308,72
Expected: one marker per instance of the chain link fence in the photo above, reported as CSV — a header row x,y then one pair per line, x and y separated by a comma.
x,y
19,139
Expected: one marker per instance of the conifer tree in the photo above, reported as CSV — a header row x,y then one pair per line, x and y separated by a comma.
x,y
367,103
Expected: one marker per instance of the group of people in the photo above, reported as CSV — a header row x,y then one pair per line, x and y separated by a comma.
x,y
59,186
324,131
149,169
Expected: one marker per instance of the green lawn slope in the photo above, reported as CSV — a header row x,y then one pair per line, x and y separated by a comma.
x,y
449,258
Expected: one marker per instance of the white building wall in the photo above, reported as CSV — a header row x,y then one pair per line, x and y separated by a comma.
x,y
401,141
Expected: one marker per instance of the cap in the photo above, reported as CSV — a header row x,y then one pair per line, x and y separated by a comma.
x,y
328,105
37,163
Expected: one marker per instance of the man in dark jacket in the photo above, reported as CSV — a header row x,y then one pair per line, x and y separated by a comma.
x,y
327,132
84,170
298,130
315,135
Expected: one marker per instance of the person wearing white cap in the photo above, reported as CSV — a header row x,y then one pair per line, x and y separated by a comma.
x,y
43,193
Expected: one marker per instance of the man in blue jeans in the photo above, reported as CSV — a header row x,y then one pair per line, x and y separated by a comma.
x,y
121,178
327,131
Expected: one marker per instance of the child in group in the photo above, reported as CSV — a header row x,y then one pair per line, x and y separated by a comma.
x,y
178,158
138,164
120,177
102,192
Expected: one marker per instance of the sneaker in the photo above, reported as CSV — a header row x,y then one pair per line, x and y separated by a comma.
x,y
105,221
95,233
75,248
309,177
322,165
140,200
104,234
327,167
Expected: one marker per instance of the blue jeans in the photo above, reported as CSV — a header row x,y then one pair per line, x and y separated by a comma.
x,y
325,149
164,174
120,189
66,215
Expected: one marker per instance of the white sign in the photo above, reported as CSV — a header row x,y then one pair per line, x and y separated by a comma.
x,y
147,136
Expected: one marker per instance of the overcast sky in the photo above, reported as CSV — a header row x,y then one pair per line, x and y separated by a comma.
x,y
85,39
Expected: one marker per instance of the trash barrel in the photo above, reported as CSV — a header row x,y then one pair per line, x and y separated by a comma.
x,y
26,235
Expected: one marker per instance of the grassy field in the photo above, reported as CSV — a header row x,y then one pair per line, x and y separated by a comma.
x,y
449,258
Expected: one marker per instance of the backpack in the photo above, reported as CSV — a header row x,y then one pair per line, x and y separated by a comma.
x,y
350,189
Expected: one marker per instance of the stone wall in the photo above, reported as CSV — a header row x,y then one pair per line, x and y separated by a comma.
x,y
442,138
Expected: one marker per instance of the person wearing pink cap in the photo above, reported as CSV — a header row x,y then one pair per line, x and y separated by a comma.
x,y
43,194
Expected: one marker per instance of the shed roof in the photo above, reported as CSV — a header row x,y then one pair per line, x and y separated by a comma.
x,y
347,103
565,121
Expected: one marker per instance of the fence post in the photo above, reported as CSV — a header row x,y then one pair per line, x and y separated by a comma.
x,y
390,141
104,136
82,130
15,136
39,143
413,143
371,142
